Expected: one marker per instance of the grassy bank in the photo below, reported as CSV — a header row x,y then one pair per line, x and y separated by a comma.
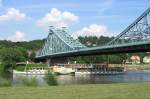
x,y
99,91
138,67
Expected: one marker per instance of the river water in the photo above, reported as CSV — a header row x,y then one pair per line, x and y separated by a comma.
x,y
128,77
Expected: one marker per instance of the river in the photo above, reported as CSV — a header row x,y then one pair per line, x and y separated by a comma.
x,y
128,77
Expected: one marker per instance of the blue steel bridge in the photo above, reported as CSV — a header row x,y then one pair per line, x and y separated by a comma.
x,y
135,38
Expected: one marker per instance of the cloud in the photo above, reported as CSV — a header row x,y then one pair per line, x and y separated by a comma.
x,y
13,14
93,30
57,18
18,36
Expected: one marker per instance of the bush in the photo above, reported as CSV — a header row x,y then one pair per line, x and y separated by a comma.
x,y
20,67
29,81
5,83
50,79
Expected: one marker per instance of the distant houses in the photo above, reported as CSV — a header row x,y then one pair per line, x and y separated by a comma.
x,y
146,59
135,59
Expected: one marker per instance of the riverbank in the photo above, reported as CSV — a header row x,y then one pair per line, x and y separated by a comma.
x,y
91,91
134,67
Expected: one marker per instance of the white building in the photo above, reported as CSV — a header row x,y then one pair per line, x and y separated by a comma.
x,y
135,59
146,59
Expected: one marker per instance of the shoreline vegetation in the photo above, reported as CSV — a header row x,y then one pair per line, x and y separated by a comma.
x,y
49,78
90,91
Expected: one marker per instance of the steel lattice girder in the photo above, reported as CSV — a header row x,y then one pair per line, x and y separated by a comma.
x,y
59,41
138,31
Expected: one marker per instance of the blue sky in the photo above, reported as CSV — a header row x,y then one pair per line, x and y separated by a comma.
x,y
29,19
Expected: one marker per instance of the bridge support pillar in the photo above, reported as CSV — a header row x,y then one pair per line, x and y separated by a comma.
x,y
48,61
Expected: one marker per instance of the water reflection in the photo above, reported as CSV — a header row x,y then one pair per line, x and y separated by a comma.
x,y
130,76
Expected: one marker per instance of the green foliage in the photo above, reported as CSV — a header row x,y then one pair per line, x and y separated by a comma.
x,y
29,81
50,79
91,41
22,49
21,67
31,45
142,56
8,58
114,59
36,65
117,58
11,55
23,52
32,56
5,83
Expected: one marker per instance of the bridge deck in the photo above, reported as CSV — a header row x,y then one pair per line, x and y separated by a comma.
x,y
134,47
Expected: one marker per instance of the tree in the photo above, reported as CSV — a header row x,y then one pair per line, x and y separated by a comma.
x,y
8,58
32,56
50,79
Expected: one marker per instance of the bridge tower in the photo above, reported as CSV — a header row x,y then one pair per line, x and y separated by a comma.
x,y
58,41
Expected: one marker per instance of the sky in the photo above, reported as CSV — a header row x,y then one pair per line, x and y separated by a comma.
x,y
24,20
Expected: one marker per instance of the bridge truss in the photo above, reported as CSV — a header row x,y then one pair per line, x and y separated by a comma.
x,y
138,31
59,41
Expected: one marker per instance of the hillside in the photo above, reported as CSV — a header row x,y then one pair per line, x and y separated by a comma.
x,y
37,44
28,45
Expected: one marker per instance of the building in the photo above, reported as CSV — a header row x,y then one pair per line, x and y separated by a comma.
x,y
146,59
135,59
